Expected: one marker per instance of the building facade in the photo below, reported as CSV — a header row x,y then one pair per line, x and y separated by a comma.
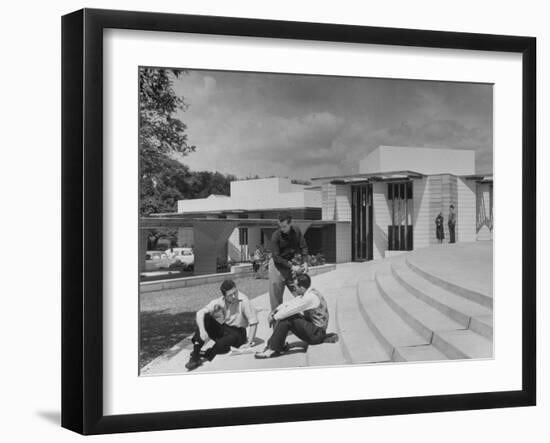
x,y
392,203
388,207
257,204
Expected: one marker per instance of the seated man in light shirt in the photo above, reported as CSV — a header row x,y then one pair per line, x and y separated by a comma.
x,y
306,316
223,320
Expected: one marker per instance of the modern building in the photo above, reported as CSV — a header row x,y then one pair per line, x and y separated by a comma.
x,y
388,207
392,203
220,227
261,200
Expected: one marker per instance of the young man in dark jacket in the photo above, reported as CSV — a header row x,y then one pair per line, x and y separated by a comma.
x,y
287,246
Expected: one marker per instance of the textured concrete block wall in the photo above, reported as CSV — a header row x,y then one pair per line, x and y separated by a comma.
x,y
336,202
442,190
328,197
423,225
185,237
449,196
343,202
343,242
381,219
466,214
435,196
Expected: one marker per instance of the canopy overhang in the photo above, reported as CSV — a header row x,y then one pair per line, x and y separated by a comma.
x,y
389,176
479,178
177,221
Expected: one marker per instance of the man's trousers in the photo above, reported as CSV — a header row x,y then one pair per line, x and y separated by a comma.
x,y
277,283
223,335
300,327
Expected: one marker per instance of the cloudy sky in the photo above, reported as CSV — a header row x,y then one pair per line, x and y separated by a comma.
x,y
309,126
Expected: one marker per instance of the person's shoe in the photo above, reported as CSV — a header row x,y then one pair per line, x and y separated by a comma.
x,y
331,338
267,353
193,363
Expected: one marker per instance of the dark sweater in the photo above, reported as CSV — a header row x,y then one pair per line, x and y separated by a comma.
x,y
284,248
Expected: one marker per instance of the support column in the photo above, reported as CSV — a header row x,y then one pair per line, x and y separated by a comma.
x,y
210,239
185,237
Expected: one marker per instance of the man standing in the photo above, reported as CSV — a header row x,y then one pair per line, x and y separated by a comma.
x,y
223,320
287,244
306,316
452,223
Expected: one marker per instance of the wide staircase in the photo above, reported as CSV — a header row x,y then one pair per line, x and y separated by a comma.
x,y
431,304
402,311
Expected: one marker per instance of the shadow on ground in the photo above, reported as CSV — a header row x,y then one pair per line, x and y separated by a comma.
x,y
54,417
160,330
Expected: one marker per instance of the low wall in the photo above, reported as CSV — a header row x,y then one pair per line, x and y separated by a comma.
x,y
187,282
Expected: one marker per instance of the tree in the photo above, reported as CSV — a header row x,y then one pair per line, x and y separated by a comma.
x,y
161,134
164,180
205,183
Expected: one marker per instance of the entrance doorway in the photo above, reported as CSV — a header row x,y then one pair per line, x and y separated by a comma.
x,y
400,232
361,222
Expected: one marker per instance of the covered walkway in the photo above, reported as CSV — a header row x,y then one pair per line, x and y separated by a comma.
x,y
211,234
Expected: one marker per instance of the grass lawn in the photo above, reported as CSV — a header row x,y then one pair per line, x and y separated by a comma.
x,y
167,317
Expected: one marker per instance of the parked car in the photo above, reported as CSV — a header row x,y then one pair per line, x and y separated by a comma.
x,y
155,260
181,257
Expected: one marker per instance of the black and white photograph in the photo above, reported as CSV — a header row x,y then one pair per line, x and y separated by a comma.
x,y
294,221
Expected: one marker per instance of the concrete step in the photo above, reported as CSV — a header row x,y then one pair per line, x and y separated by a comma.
x,y
389,328
463,344
235,361
475,296
423,318
359,344
446,335
327,354
483,325
420,353
457,308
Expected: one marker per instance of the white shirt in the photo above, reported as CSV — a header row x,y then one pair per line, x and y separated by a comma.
x,y
298,304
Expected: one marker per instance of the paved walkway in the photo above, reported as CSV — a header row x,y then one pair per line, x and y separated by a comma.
x,y
469,265
465,264
343,279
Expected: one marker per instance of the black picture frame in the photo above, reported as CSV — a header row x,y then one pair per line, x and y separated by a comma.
x,y
82,216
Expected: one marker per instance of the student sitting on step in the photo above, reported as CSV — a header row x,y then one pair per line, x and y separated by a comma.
x,y
306,316
223,320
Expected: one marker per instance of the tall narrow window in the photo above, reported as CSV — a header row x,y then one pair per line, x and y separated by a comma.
x,y
243,242
361,222
400,231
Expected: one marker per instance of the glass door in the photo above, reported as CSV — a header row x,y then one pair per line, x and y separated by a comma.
x,y
361,222
400,232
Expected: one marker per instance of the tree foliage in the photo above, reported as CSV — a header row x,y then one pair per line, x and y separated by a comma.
x,y
160,130
163,179
161,134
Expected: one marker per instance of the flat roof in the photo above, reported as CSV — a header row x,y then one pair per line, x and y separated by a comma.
x,y
480,178
373,176
179,222
238,211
